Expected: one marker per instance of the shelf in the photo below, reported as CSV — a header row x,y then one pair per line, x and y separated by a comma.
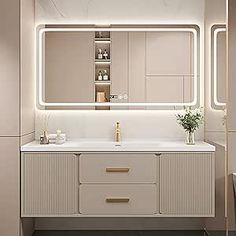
x,y
102,82
103,61
102,86
102,41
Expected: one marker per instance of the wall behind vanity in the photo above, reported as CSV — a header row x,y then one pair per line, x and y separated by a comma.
x,y
215,130
134,124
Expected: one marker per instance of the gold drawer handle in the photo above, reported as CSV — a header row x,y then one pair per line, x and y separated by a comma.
x,y
117,200
118,169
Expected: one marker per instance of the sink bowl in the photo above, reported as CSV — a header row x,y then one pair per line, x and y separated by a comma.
x,y
120,145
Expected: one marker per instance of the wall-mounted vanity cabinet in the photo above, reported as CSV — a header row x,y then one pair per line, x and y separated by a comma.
x,y
157,184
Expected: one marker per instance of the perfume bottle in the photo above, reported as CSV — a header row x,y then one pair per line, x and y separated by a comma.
x,y
105,75
105,54
100,75
99,34
100,53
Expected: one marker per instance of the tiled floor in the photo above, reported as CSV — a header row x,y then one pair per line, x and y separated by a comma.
x,y
119,233
130,233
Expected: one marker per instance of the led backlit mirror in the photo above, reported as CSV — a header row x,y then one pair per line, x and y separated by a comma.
x,y
108,68
218,62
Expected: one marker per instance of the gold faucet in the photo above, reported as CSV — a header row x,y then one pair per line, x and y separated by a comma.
x,y
117,134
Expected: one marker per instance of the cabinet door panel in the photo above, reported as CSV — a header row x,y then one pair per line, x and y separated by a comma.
x,y
49,184
187,184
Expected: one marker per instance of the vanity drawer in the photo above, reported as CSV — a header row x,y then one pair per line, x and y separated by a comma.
x,y
118,168
118,199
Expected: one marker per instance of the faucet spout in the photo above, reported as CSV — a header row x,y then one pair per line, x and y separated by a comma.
x,y
117,133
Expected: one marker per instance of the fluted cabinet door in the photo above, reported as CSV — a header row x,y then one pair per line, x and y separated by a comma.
x,y
49,184
187,184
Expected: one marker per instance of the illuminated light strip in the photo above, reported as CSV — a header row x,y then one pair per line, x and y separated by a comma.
x,y
102,62
102,42
215,99
102,83
40,65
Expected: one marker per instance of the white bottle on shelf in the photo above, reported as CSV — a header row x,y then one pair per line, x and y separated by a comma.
x,y
105,75
100,56
105,54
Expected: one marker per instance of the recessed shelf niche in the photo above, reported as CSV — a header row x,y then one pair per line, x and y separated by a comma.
x,y
102,65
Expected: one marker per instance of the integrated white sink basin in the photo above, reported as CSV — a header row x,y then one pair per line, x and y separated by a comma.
x,y
126,146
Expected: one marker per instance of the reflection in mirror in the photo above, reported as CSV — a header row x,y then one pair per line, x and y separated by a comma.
x,y
218,66
110,67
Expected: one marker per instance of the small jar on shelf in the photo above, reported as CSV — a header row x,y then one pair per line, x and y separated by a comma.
x,y
100,77
105,54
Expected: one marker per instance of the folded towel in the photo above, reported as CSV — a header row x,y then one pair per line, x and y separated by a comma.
x,y
52,137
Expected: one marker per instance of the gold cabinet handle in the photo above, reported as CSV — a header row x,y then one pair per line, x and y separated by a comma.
x,y
117,200
118,169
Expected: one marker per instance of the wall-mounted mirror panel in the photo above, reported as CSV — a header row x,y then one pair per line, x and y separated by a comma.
x,y
218,62
104,68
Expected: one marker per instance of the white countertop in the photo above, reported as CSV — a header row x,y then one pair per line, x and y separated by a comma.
x,y
129,146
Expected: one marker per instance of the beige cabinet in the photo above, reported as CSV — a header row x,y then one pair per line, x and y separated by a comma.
x,y
117,183
187,184
49,184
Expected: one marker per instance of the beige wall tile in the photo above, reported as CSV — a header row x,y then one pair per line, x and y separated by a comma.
x,y
231,170
9,67
231,66
27,67
10,187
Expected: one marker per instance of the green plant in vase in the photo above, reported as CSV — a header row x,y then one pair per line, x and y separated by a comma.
x,y
190,121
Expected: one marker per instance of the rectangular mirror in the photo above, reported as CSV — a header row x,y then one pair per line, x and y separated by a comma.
x,y
218,62
104,68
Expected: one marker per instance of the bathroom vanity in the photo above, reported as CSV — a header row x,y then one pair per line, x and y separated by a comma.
x,y
128,179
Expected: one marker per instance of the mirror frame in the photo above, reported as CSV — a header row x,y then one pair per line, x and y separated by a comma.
x,y
42,29
215,30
